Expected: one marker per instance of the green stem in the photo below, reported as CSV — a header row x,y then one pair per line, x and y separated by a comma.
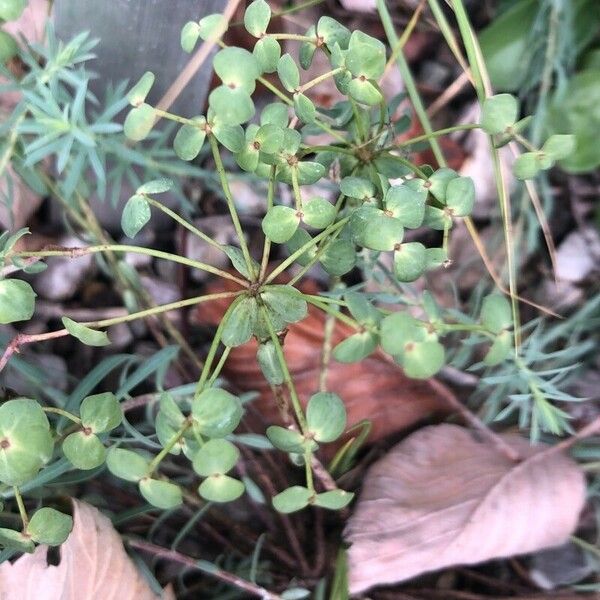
x,y
230,203
308,469
167,115
339,150
183,222
214,345
63,413
525,143
334,312
409,81
292,257
319,79
77,252
21,505
219,366
170,444
296,188
264,262
291,36
435,134
287,378
481,80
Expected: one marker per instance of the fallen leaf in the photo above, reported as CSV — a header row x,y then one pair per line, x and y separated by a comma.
x,y
93,564
372,389
359,5
443,498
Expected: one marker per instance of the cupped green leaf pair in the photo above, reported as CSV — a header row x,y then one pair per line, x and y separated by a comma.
x,y
99,413
281,222
298,497
238,70
49,526
260,143
557,147
134,467
363,343
209,27
411,344
213,461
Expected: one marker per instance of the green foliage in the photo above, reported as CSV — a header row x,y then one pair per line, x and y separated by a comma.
x,y
86,335
26,443
381,196
49,526
17,301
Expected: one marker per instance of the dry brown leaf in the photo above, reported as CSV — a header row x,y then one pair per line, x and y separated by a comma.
x,y
93,564
443,498
373,389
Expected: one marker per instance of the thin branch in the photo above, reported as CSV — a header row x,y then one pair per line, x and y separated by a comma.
x,y
207,568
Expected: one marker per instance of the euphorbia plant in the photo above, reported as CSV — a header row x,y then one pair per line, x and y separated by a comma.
x,y
381,193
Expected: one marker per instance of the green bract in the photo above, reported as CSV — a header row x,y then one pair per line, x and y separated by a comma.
x,y
406,203
318,213
17,301
240,323
460,196
498,113
137,94
25,440
400,329
214,457
267,52
189,139
156,186
139,122
86,335
15,540
304,108
326,416
221,488
285,301
365,57
236,68
136,213
266,356
293,499
257,17
280,223
338,257
101,412
212,26
333,32
231,104
410,261
334,499
288,73
189,35
84,450
356,347
126,464
216,412
422,360
286,439
159,493
49,526
496,313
